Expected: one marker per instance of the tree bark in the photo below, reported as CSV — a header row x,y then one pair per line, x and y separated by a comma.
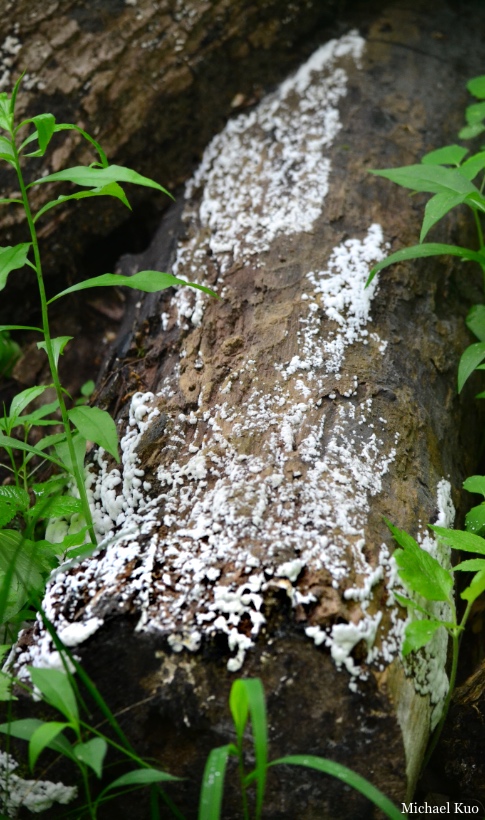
x,y
152,82
266,434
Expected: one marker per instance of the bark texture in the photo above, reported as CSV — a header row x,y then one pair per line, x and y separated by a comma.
x,y
267,434
152,81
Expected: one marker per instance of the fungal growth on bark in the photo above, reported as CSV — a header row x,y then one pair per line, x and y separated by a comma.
x,y
265,436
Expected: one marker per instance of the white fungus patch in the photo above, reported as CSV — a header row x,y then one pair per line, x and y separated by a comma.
x,y
8,51
34,795
268,492
284,142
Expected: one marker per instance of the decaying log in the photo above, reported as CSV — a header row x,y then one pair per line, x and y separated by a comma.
x,y
152,80
267,434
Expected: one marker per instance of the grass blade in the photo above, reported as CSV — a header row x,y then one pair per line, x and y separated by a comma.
x,y
247,696
212,788
356,781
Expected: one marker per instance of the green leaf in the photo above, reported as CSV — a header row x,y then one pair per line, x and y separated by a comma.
x,y
437,207
13,596
138,777
6,151
6,120
239,706
56,689
112,189
475,519
19,327
58,345
37,416
23,399
350,778
432,179
473,165
475,484
87,389
92,753
427,249
470,359
98,177
14,444
15,495
64,505
149,281
64,455
25,728
475,321
22,729
475,589
469,132
12,501
19,553
247,696
406,602
52,440
7,512
476,86
419,570
6,683
53,486
42,738
96,425
74,555
212,787
12,258
4,650
44,125
460,540
475,113
15,91
9,354
449,155
67,126
418,634
472,565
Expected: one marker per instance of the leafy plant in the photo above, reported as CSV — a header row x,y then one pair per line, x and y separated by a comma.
x,y
9,353
27,556
87,748
448,174
247,702
73,737
429,582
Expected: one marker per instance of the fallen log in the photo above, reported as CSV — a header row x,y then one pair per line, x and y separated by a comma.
x,y
266,435
140,76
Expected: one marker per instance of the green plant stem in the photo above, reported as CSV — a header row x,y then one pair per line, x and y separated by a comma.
x,y
242,777
126,748
439,727
87,791
79,478
456,635
479,228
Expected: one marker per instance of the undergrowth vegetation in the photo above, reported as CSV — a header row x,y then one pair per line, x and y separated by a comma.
x,y
448,174
46,482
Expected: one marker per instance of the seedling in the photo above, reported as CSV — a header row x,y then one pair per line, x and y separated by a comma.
x,y
87,747
26,555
